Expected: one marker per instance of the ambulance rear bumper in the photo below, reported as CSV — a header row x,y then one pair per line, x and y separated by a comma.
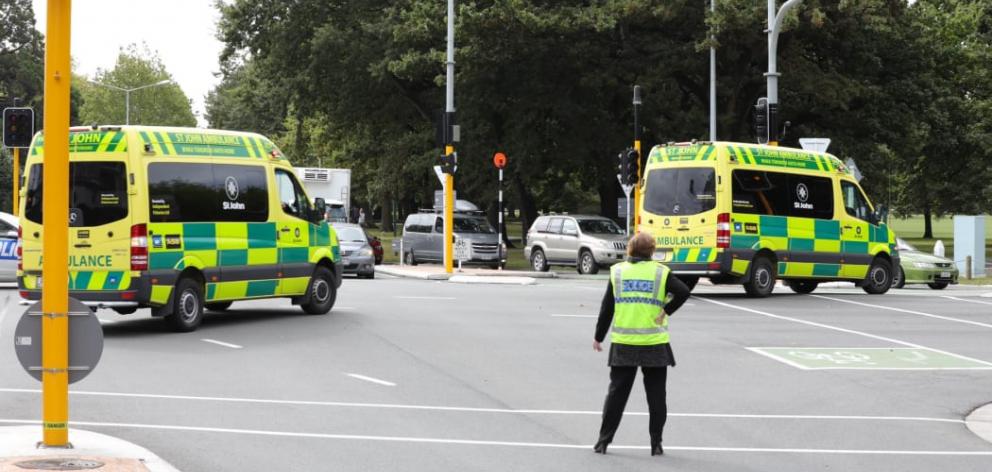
x,y
137,294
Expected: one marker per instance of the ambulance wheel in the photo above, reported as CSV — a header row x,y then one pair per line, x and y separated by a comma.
x,y
898,278
321,291
538,261
937,285
587,263
689,281
218,306
879,278
187,308
762,278
803,286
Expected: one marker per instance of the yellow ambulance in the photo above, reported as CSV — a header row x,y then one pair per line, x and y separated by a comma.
x,y
181,220
751,214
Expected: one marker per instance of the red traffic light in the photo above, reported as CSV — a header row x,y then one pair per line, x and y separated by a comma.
x,y
499,160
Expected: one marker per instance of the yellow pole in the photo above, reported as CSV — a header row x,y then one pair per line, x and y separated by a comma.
x,y
55,223
637,188
449,214
17,178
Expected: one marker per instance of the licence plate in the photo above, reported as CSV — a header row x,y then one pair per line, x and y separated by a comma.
x,y
945,275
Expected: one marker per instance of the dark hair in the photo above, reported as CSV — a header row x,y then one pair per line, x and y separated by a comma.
x,y
641,245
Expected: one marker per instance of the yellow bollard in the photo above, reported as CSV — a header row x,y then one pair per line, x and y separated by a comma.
x,y
55,246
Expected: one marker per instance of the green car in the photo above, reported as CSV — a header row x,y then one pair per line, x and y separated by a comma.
x,y
916,267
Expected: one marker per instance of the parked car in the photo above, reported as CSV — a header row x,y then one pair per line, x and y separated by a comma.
x,y
423,239
8,247
917,267
376,248
357,256
585,242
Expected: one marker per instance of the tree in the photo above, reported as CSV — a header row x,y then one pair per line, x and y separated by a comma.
x,y
165,105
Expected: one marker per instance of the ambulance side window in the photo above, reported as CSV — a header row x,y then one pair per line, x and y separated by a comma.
x,y
292,198
855,203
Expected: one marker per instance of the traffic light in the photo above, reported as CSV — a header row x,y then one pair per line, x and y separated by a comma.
x,y
449,163
761,120
627,166
18,127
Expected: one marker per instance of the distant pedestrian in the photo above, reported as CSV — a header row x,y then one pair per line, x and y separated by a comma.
x,y
635,302
361,217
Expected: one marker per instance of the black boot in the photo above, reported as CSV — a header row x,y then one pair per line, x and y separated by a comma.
x,y
657,450
600,447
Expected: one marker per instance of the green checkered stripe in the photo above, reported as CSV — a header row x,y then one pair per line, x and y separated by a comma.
x,y
749,155
694,152
691,255
246,146
808,235
87,142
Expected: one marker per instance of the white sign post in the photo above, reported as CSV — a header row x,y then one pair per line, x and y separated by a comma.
x,y
463,251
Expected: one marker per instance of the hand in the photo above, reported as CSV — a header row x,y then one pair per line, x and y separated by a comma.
x,y
596,346
660,320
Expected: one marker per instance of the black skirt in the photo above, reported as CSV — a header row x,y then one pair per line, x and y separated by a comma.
x,y
626,355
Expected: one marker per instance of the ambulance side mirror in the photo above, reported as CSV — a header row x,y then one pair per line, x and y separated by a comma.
x,y
320,209
880,215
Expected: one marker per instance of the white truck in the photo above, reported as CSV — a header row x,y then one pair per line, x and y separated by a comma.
x,y
333,185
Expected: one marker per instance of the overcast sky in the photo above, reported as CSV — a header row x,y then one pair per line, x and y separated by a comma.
x,y
181,31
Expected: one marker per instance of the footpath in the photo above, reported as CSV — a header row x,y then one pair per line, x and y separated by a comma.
x,y
91,451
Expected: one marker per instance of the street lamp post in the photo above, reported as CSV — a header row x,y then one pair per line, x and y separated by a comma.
x,y
774,27
127,94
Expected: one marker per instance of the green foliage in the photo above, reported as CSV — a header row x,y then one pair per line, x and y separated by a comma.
x,y
136,67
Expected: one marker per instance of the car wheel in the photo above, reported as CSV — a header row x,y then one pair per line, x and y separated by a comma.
x,y
937,285
409,259
803,286
218,306
126,311
187,308
689,281
538,261
321,292
762,278
879,278
898,278
370,275
587,264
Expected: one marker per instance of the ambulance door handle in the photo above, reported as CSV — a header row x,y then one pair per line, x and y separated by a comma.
x,y
83,245
285,230
848,227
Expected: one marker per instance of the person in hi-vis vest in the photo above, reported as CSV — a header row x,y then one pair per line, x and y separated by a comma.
x,y
640,297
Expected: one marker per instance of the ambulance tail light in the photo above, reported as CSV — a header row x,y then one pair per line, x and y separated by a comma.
x,y
723,230
139,247
20,255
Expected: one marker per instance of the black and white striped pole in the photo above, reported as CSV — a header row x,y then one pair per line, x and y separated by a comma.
x,y
499,160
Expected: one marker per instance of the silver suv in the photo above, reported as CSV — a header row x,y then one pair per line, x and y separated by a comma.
x,y
423,239
586,242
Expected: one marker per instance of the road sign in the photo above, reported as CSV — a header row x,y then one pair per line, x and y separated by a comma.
x,y
499,160
463,249
85,340
622,207
879,358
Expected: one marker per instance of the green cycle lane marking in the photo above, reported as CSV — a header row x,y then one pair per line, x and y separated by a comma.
x,y
868,358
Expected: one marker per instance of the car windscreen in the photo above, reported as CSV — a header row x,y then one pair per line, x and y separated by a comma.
x,y
97,193
473,225
350,234
599,227
685,191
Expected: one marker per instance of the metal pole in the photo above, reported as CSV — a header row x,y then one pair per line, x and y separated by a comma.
x,y
127,107
774,28
712,80
499,227
627,228
449,179
55,217
17,178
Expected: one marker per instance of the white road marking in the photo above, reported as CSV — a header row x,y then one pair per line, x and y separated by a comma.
x,y
104,321
471,442
426,298
221,343
395,406
843,330
785,360
909,312
967,301
574,316
371,379
6,308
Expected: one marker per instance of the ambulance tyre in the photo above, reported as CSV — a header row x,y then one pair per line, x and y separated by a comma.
x,y
803,286
187,309
218,306
321,292
879,278
762,278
